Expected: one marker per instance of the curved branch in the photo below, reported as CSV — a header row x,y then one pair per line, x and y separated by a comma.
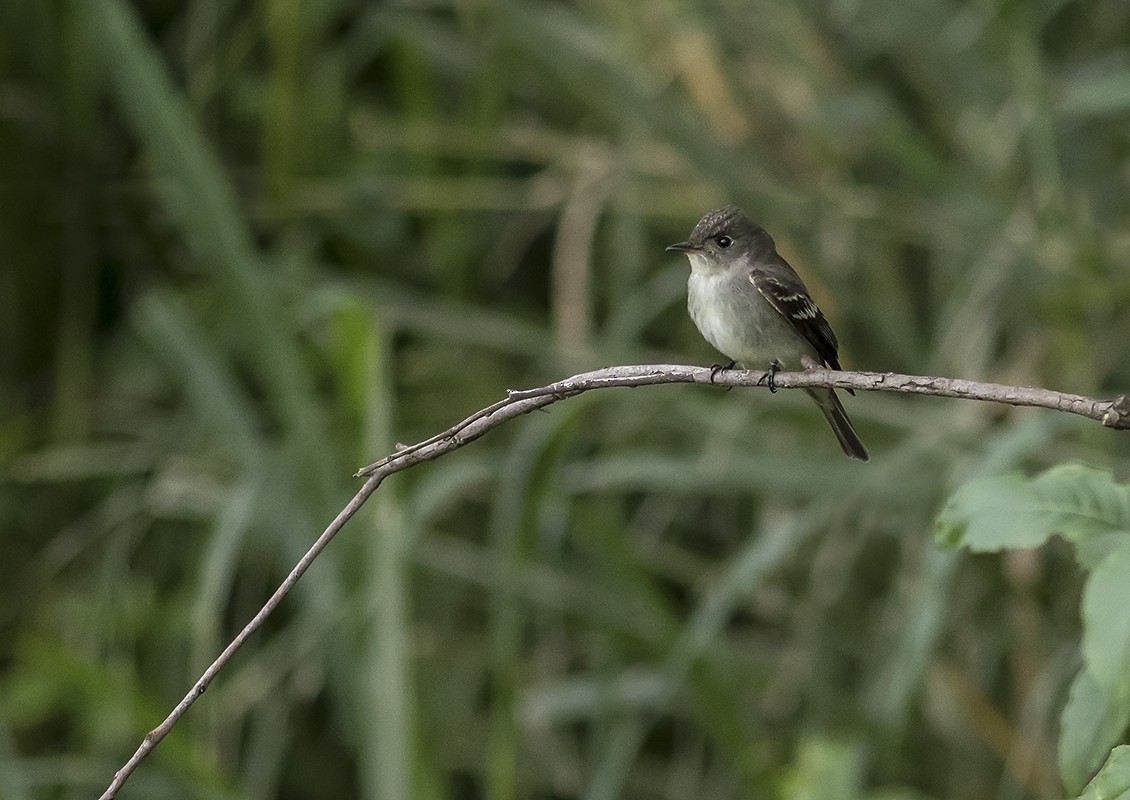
x,y
1111,413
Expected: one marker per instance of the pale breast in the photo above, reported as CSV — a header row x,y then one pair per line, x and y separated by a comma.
x,y
733,316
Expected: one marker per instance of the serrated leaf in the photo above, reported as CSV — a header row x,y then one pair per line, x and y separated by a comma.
x,y
1106,625
1113,780
1081,503
1089,726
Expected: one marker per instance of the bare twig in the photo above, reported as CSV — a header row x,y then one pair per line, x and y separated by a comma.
x,y
1111,413
157,734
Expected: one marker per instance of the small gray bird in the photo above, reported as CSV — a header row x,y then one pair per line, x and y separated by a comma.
x,y
750,305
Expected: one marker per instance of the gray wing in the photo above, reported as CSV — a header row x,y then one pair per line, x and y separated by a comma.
x,y
791,301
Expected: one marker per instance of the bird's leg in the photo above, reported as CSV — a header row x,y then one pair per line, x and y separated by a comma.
x,y
716,368
774,368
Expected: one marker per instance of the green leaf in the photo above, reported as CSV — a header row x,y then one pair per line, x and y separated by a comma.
x,y
1089,726
1081,503
1113,781
1106,625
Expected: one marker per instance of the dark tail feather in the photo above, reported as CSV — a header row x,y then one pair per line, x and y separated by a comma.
x,y
840,424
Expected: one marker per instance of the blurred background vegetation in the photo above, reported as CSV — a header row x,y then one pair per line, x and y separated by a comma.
x,y
246,248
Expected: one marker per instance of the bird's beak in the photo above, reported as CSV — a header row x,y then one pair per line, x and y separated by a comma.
x,y
684,247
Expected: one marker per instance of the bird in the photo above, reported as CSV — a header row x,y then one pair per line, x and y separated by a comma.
x,y
750,304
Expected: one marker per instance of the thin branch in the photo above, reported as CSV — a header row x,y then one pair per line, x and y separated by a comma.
x,y
157,734
1111,413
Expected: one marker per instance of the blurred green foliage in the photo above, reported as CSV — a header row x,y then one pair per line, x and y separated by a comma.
x,y
1092,513
247,247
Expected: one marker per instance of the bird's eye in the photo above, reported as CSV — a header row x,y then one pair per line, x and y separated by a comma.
x,y
724,241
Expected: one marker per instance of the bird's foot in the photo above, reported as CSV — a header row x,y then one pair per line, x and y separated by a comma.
x,y
716,368
768,377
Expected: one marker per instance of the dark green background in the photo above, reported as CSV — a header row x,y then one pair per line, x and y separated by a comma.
x,y
247,247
